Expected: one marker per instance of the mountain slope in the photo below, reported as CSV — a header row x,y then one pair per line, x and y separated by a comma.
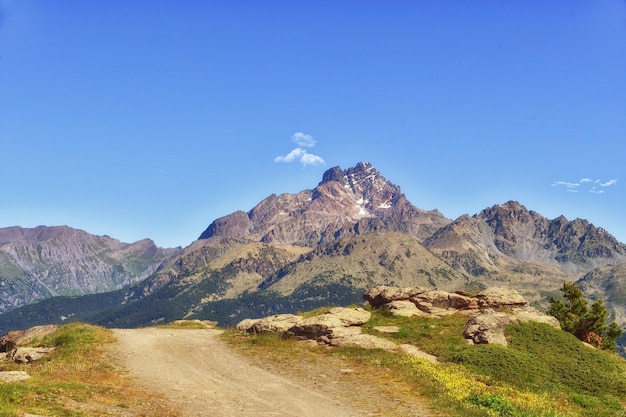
x,y
44,262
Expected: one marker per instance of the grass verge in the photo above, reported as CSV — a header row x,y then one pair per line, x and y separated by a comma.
x,y
544,372
76,380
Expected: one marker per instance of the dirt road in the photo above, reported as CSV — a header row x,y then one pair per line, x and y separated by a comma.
x,y
202,376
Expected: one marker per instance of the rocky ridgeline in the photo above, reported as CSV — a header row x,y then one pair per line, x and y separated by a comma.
x,y
489,313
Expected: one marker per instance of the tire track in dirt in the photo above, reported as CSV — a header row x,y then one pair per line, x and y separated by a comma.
x,y
202,376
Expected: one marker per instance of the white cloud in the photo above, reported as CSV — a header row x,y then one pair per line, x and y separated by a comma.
x,y
310,159
608,183
585,184
291,156
568,185
299,154
304,140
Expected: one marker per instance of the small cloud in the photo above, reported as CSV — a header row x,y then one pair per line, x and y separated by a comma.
x,y
305,158
310,159
291,156
585,184
608,183
568,185
304,140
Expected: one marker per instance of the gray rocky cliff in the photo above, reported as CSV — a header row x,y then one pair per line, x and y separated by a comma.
x,y
42,262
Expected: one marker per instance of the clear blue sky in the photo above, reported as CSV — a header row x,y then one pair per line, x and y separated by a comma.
x,y
153,118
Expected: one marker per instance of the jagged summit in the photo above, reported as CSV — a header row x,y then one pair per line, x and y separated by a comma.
x,y
510,230
352,201
373,191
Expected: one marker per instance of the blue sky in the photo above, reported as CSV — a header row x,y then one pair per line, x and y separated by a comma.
x,y
153,118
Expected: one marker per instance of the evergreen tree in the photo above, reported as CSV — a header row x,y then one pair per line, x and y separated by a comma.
x,y
586,324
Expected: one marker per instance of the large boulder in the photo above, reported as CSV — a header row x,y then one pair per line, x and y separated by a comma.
x,y
335,323
384,294
279,323
419,301
13,376
17,338
28,354
487,327
497,297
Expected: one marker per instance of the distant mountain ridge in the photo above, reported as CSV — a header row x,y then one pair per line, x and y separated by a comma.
x,y
353,231
42,262
475,244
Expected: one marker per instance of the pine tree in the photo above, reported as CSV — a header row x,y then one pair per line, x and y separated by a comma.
x,y
586,324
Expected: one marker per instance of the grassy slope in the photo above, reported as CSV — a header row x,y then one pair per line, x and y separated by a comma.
x,y
543,372
76,380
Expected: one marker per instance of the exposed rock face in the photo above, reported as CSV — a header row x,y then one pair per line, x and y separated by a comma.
x,y
28,354
337,322
18,338
418,301
352,201
13,376
13,344
484,326
44,262
487,327
509,230
341,326
337,327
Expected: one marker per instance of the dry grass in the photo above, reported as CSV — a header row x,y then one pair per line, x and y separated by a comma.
x,y
77,380
376,390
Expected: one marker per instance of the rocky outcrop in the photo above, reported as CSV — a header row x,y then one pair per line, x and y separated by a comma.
x,y
13,376
487,327
490,311
28,354
12,345
336,323
16,338
419,301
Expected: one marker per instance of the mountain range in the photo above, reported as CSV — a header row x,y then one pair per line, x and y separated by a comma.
x,y
44,262
319,247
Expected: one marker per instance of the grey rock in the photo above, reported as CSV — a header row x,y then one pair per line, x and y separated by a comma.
x,y
16,338
13,376
365,341
28,354
487,327
416,352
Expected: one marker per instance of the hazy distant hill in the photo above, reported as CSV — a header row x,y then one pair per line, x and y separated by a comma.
x,y
353,231
44,262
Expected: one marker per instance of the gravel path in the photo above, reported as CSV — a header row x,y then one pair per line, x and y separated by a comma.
x,y
202,376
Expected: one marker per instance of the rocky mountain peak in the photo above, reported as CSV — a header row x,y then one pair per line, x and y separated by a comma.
x,y
351,201
371,190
